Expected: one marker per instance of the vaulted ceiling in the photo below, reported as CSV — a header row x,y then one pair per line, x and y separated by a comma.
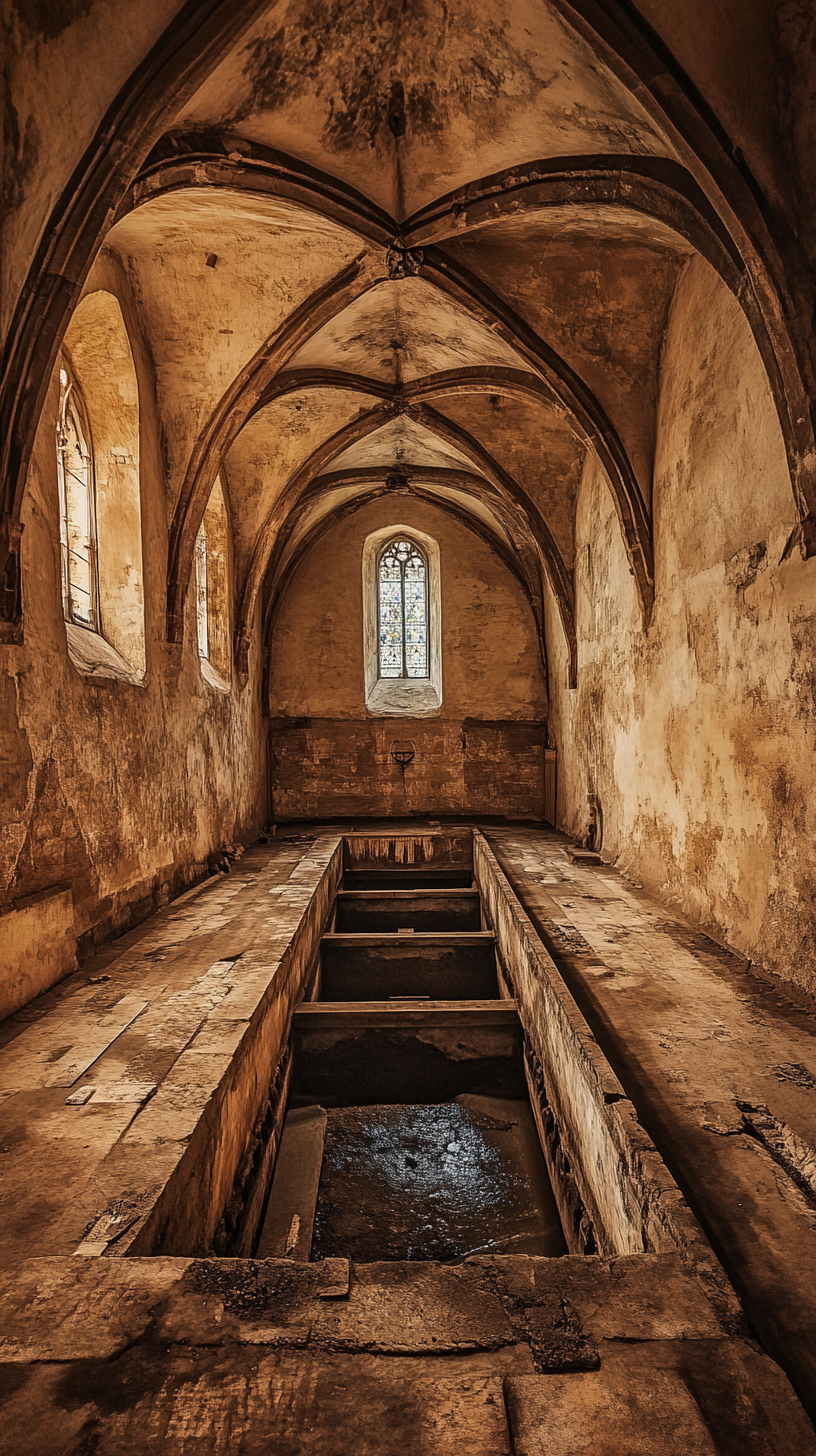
x,y
423,248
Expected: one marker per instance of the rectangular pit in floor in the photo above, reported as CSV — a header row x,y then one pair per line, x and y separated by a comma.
x,y
409,1133
412,1051
442,860
390,910
410,1142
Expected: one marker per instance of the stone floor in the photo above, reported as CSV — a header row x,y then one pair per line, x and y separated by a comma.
x,y
720,1063
518,1356
154,1016
500,1356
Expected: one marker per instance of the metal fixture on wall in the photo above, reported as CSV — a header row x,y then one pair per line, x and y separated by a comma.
x,y
403,752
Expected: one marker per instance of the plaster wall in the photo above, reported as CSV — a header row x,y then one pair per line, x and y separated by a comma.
x,y
697,735
480,753
112,792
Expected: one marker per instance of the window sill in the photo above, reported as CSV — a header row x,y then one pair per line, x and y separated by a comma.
x,y
212,677
401,697
93,656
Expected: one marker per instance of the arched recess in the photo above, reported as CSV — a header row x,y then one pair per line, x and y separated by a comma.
x,y
487,477
367,486
516,551
97,350
320,599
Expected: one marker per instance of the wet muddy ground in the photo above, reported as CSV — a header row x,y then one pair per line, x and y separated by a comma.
x,y
434,1181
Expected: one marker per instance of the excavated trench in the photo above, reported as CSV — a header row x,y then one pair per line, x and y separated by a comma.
x,y
413,1137
417,1083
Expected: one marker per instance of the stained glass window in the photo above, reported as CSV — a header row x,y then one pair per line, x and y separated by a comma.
x,y
80,583
402,594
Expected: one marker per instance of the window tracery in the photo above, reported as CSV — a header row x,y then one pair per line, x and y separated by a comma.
x,y
402,602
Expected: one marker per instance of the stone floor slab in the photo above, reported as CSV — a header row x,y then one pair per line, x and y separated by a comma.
x,y
604,1413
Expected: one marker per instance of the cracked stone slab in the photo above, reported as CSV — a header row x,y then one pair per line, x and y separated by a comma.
x,y
78,1309
634,1297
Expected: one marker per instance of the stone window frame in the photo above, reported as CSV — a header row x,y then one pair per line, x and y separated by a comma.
x,y
97,359
401,697
89,650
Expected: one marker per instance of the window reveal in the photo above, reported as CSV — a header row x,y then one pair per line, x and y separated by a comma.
x,y
403,611
80,581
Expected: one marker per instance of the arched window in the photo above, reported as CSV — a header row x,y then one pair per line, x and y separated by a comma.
x,y
212,592
402,605
77,499
99,490
202,614
402,622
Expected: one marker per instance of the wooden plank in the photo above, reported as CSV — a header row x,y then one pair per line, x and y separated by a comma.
x,y
423,937
440,894
329,1015
287,1229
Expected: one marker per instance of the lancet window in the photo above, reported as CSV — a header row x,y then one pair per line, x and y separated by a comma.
x,y
77,500
212,591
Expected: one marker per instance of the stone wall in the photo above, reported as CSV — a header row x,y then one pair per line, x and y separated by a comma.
x,y
112,791
593,1143
482,753
696,735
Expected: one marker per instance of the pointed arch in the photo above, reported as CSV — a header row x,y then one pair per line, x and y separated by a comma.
x,y
231,414
190,47
577,399
303,483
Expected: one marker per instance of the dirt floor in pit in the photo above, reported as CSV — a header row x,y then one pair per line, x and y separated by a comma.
x,y
435,1181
